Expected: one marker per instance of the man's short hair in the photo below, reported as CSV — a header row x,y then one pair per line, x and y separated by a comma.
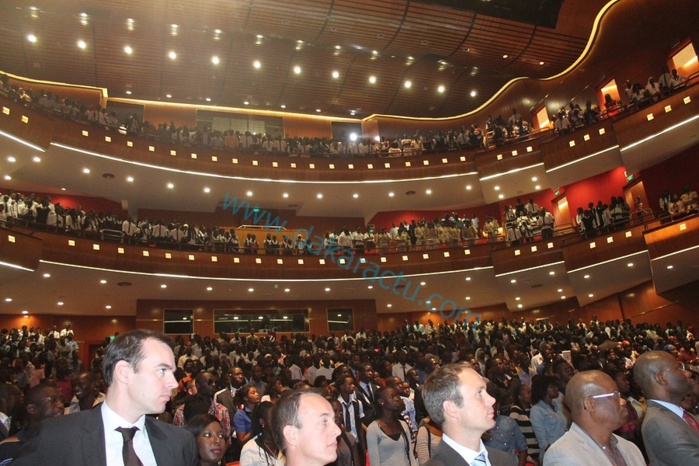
x,y
286,413
128,347
441,385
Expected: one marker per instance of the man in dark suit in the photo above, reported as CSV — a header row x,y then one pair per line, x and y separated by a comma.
x,y
456,398
670,434
139,372
366,392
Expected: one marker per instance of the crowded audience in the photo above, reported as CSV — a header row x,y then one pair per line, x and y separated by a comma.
x,y
545,383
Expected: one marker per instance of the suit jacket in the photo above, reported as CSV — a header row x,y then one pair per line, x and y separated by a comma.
x,y
669,440
576,448
226,399
368,406
78,439
445,455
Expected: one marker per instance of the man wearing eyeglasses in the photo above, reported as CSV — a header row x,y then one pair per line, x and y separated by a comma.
x,y
670,434
597,410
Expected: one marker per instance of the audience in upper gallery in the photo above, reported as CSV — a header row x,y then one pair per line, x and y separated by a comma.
x,y
674,206
497,131
612,346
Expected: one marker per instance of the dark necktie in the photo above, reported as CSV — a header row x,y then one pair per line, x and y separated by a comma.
x,y
371,394
348,417
128,452
689,419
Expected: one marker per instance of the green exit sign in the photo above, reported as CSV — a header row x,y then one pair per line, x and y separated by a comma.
x,y
629,178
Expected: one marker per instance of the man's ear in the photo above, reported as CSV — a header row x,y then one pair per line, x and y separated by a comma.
x,y
450,409
31,408
122,371
290,436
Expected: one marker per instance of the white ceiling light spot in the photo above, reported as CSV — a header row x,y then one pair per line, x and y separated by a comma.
x,y
128,50
215,60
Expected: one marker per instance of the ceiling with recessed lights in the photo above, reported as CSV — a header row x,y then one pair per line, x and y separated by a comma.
x,y
334,57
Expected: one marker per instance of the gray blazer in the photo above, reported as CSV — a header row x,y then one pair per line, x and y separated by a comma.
x,y
78,440
576,448
669,440
444,455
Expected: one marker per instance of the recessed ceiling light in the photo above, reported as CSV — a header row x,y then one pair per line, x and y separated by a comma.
x,y
535,179
468,279
441,89
208,99
389,305
428,191
209,288
107,307
517,298
327,289
552,273
86,171
318,110
82,44
391,194
563,297
541,63
501,196
370,287
504,56
215,60
25,312
60,303
586,276
355,195
468,187
163,286
630,264
497,188
11,159
560,290
128,92
286,290
372,79
319,195
47,275
297,69
251,290
31,38
590,295
537,187
408,84
468,298
670,267
128,50
36,159
245,102
7,177
172,54
519,306
513,281
8,300
170,186
336,74
285,195
103,281
169,96
249,193
129,179
283,106
207,190
257,64
474,93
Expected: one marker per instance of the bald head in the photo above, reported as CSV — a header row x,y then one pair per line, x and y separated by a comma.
x,y
661,377
595,404
583,385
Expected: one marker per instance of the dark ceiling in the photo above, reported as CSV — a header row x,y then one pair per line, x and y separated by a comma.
x,y
455,58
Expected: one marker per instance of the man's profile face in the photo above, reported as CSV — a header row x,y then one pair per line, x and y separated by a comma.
x,y
317,436
49,403
679,382
151,383
83,386
476,414
237,377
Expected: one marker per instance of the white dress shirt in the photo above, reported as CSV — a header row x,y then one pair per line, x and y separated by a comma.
x,y
114,441
466,453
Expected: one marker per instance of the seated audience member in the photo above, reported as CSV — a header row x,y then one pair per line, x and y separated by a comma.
x,y
249,398
456,398
653,89
10,405
547,418
677,81
388,437
347,448
670,434
304,428
210,439
506,435
261,450
520,411
205,383
87,395
597,409
43,402
428,437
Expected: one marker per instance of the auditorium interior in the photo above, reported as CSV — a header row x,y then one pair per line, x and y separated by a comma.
x,y
339,70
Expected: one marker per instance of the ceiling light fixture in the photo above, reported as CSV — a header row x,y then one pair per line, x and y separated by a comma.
x,y
82,44
215,60
128,50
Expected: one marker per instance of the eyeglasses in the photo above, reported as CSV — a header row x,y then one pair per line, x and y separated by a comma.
x,y
615,394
